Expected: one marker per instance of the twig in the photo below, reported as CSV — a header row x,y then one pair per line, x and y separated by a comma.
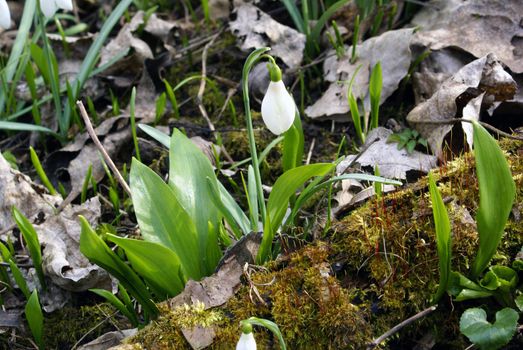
x,y
399,326
458,120
101,148
309,155
93,329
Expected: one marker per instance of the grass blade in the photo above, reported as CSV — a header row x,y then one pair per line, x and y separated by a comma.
x,y
35,319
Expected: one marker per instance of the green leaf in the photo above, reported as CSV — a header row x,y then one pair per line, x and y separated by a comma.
x,y
117,303
15,271
95,249
293,145
35,319
159,266
519,302
163,219
286,186
31,239
355,115
5,125
188,172
487,336
463,288
156,134
230,209
375,85
295,14
273,327
443,239
496,195
501,277
320,23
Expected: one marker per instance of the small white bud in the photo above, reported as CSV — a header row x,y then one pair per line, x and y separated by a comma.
x,y
278,108
246,342
5,15
49,7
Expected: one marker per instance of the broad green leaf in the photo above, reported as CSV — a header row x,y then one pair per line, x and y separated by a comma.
x,y
286,186
156,134
501,277
463,288
487,336
158,265
496,195
293,145
95,249
229,208
31,239
443,239
163,219
189,169
35,319
117,303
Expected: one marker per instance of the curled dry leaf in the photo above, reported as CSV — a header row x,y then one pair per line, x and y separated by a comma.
x,y
254,29
392,49
58,233
484,75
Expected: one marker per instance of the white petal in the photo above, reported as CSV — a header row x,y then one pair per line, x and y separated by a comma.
x,y
48,7
65,4
278,108
246,342
5,15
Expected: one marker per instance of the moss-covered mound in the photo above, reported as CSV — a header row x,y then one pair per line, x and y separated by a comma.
x,y
378,267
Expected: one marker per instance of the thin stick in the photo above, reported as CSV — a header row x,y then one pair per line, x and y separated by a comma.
x,y
309,155
399,326
101,148
457,120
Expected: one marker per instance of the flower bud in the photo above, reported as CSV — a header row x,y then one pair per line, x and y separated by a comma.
x,y
278,108
5,15
246,341
49,7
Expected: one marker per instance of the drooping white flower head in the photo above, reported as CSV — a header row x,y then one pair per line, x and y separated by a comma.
x,y
246,342
5,15
278,108
49,7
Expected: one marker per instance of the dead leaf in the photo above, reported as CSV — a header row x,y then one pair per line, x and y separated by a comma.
x,y
392,49
482,75
478,27
108,340
59,234
393,163
125,40
254,29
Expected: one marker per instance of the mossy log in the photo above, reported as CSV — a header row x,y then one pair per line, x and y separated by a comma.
x,y
377,267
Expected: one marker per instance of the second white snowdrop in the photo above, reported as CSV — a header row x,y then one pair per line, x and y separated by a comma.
x,y
5,15
49,7
278,108
246,341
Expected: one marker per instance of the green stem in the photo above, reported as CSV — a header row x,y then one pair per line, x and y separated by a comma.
x,y
254,57
18,48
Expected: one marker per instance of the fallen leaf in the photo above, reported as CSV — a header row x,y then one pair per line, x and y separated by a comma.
x,y
392,49
58,233
478,27
393,163
484,75
254,29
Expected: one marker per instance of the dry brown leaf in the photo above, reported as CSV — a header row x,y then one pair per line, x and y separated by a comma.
x,y
478,27
392,49
254,29
482,75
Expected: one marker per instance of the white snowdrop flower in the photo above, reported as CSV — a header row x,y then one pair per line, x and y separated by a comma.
x,y
246,342
278,108
49,7
5,15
